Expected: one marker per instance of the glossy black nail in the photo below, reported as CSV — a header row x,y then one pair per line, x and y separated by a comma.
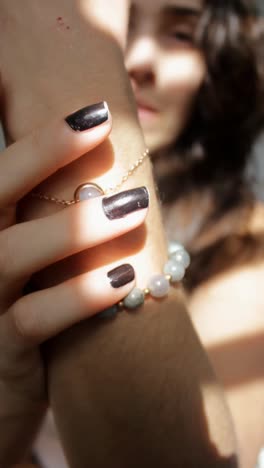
x,y
121,275
123,203
88,117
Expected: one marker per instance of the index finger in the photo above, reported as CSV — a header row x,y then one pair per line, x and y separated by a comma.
x,y
29,161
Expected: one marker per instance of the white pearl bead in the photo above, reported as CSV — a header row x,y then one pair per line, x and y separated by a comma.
x,y
87,191
181,256
175,270
159,286
174,246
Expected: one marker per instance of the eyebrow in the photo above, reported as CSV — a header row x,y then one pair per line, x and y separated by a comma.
x,y
173,10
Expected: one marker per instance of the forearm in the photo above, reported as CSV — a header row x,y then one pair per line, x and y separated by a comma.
x,y
142,393
140,380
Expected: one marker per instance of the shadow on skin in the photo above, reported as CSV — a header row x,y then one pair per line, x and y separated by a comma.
x,y
239,361
128,382
90,259
88,167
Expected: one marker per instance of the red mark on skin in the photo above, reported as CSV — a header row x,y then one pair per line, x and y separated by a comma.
x,y
61,23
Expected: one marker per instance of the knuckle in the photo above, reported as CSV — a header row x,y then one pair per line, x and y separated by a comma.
x,y
23,324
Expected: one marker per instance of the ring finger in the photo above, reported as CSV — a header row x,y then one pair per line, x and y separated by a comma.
x,y
43,314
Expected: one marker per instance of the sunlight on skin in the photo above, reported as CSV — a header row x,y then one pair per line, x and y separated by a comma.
x,y
102,12
184,70
211,403
241,323
184,74
88,221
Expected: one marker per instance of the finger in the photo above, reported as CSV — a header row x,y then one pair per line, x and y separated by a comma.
x,y
29,161
41,315
29,247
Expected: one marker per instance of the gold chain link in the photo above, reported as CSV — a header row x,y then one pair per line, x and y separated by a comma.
x,y
42,196
108,191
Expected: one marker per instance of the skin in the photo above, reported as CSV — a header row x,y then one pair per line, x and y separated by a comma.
x,y
20,94
227,312
166,72
188,389
26,321
165,69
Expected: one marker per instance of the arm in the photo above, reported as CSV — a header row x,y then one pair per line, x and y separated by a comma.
x,y
142,393
143,389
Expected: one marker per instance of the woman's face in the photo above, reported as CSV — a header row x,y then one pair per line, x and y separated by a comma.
x,y
165,67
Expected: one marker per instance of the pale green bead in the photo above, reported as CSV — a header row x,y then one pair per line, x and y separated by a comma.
x,y
181,256
175,270
159,286
134,299
109,313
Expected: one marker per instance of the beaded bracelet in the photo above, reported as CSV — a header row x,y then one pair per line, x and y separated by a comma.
x,y
159,284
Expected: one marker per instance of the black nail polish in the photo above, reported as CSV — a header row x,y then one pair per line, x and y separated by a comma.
x,y
121,275
123,203
88,117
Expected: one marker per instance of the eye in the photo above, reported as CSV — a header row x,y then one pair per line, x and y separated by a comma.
x,y
181,36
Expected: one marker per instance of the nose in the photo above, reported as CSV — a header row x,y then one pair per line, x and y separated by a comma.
x,y
140,60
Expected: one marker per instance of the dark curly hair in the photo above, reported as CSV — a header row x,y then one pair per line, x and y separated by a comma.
x,y
228,116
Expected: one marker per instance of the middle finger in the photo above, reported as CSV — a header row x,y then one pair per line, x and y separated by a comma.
x,y
29,247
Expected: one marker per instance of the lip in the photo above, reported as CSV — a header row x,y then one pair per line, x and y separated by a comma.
x,y
146,112
145,106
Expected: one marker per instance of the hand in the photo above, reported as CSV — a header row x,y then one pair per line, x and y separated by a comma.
x,y
28,320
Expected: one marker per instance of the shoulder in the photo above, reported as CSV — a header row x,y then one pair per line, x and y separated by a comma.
x,y
231,305
228,315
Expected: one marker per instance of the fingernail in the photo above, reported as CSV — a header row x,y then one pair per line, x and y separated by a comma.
x,y
123,203
88,117
121,275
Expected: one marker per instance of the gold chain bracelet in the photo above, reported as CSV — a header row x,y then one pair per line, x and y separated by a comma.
x,y
93,188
